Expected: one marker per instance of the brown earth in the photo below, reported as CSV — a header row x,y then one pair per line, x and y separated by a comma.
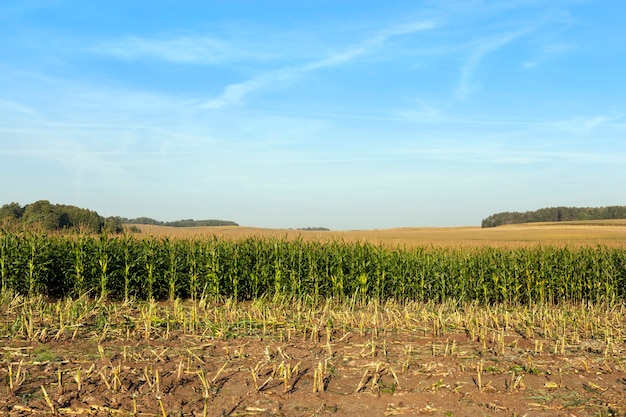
x,y
358,372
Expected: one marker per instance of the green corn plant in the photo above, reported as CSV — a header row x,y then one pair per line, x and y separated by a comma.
x,y
4,262
193,253
150,264
37,263
253,268
9,250
212,254
362,279
103,264
128,263
78,247
171,274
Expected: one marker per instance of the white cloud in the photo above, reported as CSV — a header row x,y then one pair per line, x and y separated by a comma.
x,y
497,154
13,106
547,53
423,112
479,51
234,93
182,50
583,126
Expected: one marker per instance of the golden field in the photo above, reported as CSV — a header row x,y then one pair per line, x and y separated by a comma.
x,y
584,233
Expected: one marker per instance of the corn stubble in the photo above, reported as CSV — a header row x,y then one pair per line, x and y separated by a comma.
x,y
146,352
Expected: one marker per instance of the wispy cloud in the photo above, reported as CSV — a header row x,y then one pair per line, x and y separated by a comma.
x,y
13,106
181,49
367,45
546,53
500,155
479,51
234,93
423,112
583,126
83,163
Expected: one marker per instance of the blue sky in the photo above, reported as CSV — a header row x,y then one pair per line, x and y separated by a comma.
x,y
344,114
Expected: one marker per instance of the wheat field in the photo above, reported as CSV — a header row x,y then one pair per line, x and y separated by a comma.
x,y
584,233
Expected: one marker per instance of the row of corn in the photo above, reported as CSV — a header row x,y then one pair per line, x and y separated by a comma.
x,y
124,267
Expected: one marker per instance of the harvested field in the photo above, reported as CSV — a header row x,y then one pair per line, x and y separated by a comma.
x,y
590,233
287,358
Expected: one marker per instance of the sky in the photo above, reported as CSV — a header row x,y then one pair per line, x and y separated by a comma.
x,y
346,114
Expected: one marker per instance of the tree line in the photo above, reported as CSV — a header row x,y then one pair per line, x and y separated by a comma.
x,y
556,214
43,215
178,223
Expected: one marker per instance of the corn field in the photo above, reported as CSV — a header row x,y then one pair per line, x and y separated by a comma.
x,y
124,267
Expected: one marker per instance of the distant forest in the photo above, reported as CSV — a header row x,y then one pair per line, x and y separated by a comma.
x,y
42,215
556,214
178,223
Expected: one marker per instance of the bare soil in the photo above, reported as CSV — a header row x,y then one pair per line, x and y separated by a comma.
x,y
347,374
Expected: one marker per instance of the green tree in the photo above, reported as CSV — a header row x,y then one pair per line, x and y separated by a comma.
x,y
41,213
10,215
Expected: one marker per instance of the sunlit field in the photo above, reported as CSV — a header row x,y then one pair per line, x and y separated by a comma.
x,y
589,233
511,321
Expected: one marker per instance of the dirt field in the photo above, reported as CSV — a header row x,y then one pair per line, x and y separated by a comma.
x,y
359,382
277,358
592,233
